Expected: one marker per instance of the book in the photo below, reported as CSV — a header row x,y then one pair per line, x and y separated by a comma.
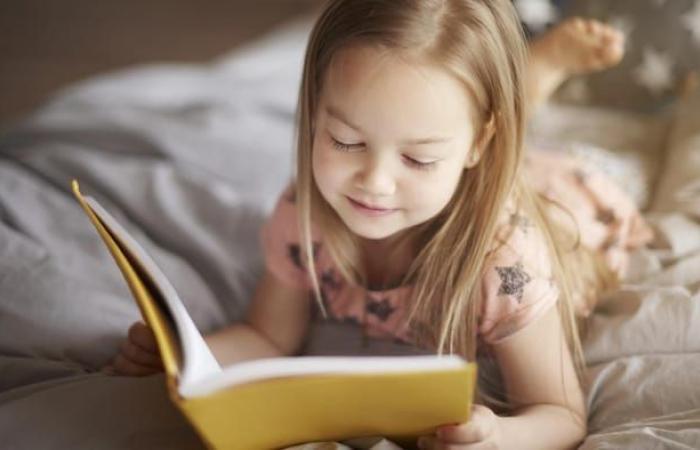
x,y
279,402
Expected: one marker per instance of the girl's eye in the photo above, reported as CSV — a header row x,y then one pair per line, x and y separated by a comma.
x,y
420,165
343,147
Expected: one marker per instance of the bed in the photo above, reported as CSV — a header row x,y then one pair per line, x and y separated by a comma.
x,y
191,158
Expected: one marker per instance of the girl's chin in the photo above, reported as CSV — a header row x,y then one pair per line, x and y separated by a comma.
x,y
367,231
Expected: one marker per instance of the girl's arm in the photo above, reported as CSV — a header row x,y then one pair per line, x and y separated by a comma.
x,y
276,324
541,383
540,379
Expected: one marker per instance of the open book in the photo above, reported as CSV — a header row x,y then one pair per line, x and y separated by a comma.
x,y
278,402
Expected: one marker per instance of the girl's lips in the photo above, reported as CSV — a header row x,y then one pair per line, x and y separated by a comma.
x,y
367,210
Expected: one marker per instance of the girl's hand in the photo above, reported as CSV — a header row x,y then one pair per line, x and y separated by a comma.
x,y
138,354
481,432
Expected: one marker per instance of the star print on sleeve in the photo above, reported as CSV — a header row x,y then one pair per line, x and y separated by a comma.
x,y
606,216
331,280
294,253
380,308
518,220
513,279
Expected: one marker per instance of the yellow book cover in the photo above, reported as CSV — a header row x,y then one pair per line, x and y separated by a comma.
x,y
278,402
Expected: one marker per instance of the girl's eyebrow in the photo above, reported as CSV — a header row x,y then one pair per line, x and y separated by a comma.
x,y
337,114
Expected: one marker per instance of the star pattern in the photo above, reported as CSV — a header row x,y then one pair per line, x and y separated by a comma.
x,y
513,279
520,221
294,253
380,308
536,13
691,20
606,216
330,280
624,24
655,73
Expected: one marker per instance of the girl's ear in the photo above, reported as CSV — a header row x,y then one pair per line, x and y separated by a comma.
x,y
481,143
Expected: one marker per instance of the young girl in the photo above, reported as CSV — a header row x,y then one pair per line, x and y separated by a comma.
x,y
416,215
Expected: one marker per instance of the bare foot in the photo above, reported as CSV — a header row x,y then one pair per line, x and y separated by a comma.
x,y
578,46
575,46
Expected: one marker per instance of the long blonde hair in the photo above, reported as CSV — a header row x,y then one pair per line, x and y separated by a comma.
x,y
481,43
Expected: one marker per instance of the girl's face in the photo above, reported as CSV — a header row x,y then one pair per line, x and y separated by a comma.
x,y
389,134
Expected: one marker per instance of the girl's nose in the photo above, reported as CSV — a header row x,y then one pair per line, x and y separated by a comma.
x,y
376,178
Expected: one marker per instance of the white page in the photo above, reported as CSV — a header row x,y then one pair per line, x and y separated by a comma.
x,y
198,361
261,369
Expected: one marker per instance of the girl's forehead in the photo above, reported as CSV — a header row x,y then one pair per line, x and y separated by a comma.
x,y
379,86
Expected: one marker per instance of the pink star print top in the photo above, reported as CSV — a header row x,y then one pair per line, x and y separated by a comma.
x,y
517,281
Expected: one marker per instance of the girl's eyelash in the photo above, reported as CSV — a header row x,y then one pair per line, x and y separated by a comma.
x,y
343,147
420,165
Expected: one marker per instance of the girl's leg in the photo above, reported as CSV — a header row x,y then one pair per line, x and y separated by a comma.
x,y
573,47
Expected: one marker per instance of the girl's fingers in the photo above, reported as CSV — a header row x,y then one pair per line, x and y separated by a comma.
x,y
141,335
433,443
480,426
136,354
125,367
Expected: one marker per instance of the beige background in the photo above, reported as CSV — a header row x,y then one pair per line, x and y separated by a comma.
x,y
48,44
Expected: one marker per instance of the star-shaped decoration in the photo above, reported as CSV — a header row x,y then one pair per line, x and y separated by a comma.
x,y
691,20
381,308
655,73
294,253
520,221
624,24
513,279
330,280
606,216
536,13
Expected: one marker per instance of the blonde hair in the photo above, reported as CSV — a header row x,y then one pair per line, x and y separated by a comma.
x,y
481,43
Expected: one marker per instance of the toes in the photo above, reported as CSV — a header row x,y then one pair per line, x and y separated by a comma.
x,y
594,28
611,36
578,24
612,45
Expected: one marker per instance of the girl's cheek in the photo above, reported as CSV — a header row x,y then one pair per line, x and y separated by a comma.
x,y
324,167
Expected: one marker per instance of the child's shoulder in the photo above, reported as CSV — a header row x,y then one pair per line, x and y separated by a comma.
x,y
281,241
517,282
518,236
283,220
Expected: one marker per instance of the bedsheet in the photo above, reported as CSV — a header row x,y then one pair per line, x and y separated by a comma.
x,y
191,158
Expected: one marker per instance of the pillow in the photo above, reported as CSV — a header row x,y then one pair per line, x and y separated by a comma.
x,y
626,146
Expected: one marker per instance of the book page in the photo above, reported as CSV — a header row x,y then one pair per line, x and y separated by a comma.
x,y
198,361
268,368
